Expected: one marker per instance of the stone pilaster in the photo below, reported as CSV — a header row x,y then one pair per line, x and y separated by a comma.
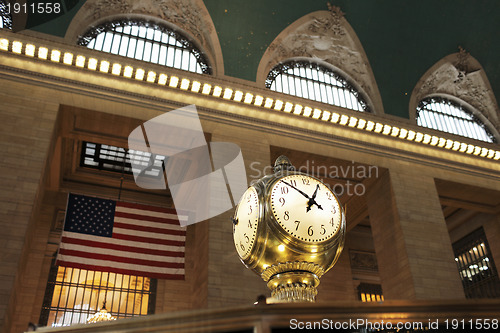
x,y
411,240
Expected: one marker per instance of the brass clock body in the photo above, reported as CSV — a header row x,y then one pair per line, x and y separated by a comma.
x,y
297,231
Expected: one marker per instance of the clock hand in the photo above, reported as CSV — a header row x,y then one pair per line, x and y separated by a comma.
x,y
315,192
312,201
317,204
297,189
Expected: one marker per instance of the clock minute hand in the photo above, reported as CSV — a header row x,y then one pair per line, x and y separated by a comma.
x,y
304,194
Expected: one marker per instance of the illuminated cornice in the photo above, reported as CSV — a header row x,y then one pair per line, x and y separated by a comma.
x,y
208,88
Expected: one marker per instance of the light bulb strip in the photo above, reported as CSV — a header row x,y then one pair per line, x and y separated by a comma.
x,y
228,93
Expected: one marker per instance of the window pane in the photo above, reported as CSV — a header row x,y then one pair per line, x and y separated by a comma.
x,y
108,38
147,51
115,46
99,41
132,46
155,53
139,49
125,41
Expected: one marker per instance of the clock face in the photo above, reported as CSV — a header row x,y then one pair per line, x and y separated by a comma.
x,y
305,208
246,222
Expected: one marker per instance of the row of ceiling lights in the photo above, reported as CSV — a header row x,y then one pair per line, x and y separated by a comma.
x,y
194,86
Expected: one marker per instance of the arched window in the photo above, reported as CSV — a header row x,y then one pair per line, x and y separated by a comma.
x,y
313,81
446,115
146,41
5,17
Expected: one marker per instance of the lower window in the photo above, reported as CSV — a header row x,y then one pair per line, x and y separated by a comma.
x,y
476,266
73,294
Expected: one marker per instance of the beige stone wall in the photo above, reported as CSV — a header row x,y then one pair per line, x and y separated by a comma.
x,y
411,239
27,123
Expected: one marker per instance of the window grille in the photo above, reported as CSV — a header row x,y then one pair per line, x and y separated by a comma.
x,y
476,267
72,295
146,41
116,159
445,115
313,81
368,292
5,16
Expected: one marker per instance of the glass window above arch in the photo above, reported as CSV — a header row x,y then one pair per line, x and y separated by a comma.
x,y
446,115
148,42
316,82
5,17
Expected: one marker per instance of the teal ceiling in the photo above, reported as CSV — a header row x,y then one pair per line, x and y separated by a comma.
x,y
402,39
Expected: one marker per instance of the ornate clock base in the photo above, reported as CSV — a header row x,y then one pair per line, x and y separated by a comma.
x,y
297,286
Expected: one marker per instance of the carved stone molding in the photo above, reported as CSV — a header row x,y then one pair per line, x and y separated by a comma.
x,y
460,77
183,14
324,36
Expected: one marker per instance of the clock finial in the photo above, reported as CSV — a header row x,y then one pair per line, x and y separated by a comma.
x,y
282,163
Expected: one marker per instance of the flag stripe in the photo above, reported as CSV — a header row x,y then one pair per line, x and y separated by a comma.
x,y
165,226
127,271
125,243
69,242
146,207
146,235
148,240
148,229
145,218
120,259
171,216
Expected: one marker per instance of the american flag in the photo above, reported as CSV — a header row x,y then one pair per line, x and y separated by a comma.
x,y
121,237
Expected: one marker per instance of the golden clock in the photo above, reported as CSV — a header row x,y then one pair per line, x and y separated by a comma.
x,y
289,228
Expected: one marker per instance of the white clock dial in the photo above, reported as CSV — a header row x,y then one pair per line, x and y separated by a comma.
x,y
305,208
245,223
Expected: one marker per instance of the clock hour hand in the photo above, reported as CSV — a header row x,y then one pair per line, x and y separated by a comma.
x,y
304,194
315,192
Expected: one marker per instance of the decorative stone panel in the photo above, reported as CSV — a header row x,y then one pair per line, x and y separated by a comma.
x,y
461,76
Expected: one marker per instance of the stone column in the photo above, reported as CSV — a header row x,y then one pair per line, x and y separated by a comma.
x,y
411,239
26,133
